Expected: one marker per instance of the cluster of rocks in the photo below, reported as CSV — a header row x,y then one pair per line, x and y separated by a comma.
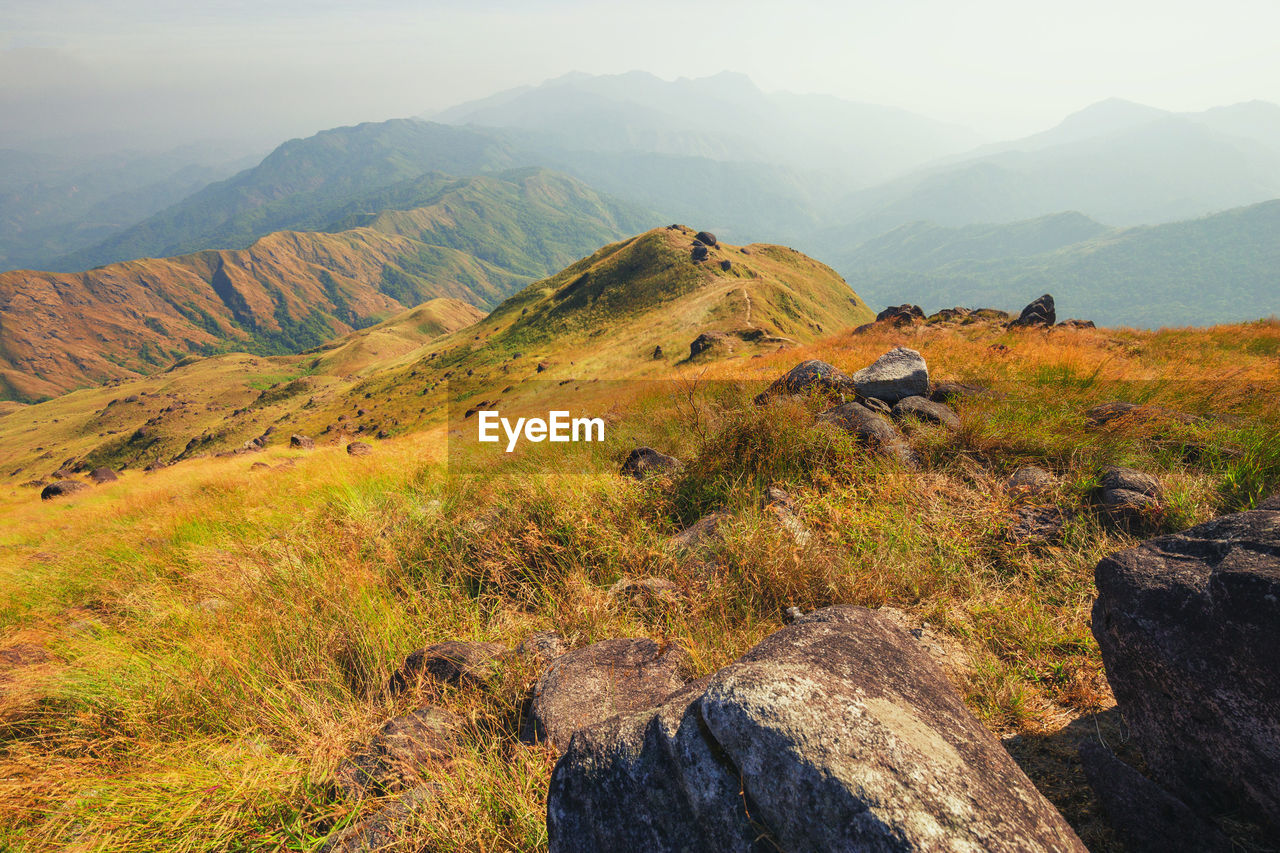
x,y
1040,313
65,485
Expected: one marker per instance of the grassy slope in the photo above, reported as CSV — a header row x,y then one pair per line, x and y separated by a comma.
x,y
162,722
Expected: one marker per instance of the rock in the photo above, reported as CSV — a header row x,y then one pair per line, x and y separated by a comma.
x,y
926,410
1272,503
542,646
699,253
62,488
896,375
359,448
1147,818
774,496
1121,412
392,759
900,315
707,238
1189,629
591,684
259,466
1038,313
1077,324
645,592
1130,496
657,353
948,315
543,367
949,392
382,830
702,531
1031,480
726,265
835,733
808,377
301,442
452,662
1036,525
707,341
791,614
645,462
871,429
880,407
103,475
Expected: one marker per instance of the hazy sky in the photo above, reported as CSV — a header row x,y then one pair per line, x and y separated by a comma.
x,y
166,72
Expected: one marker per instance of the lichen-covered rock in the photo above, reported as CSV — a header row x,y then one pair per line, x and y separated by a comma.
x,y
924,409
1031,481
1189,628
808,377
835,733
894,376
599,681
451,662
871,429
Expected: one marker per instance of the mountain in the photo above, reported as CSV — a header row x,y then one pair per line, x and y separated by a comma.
x,y
1216,269
53,204
299,186
724,117
476,239
1117,162
602,316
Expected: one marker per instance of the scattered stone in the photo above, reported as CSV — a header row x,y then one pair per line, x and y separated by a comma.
x,y
1121,412
452,662
1036,525
1189,629
1146,817
707,341
645,462
1130,496
924,409
774,496
950,392
835,733
645,592
871,429
949,315
899,373
699,253
359,448
62,488
103,475
1038,313
260,466
900,315
726,265
392,759
301,442
1077,324
542,646
702,531
1271,503
657,353
707,238
591,684
880,407
1031,480
808,377
384,829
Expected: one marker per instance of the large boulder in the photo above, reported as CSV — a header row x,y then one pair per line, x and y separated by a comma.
x,y
645,462
359,448
61,489
707,238
706,342
835,733
1039,313
871,429
900,315
810,376
894,376
301,442
596,682
452,662
103,475
921,408
1189,628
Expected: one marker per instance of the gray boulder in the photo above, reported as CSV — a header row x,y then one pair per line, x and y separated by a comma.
x,y
894,376
301,442
837,733
103,475
871,429
452,662
599,681
1130,497
1189,629
1031,481
1039,313
383,830
645,462
61,489
808,377
921,408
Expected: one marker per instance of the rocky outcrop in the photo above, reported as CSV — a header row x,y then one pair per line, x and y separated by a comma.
x,y
702,531
591,684
451,662
1036,525
870,429
894,376
61,489
807,377
1038,313
835,733
301,442
923,409
706,342
645,462
358,448
1189,628
900,315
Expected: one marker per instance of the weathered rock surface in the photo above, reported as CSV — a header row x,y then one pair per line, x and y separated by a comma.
x,y
1147,818
807,377
1031,481
702,531
1130,496
62,488
591,684
301,442
359,448
1189,628
896,375
950,392
542,646
707,238
1272,503
836,733
103,475
384,829
1039,313
393,758
451,662
644,462
900,315
924,409
1036,525
706,342
871,429
645,592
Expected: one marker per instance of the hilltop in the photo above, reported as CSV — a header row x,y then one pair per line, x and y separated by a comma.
x,y
602,316
475,239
